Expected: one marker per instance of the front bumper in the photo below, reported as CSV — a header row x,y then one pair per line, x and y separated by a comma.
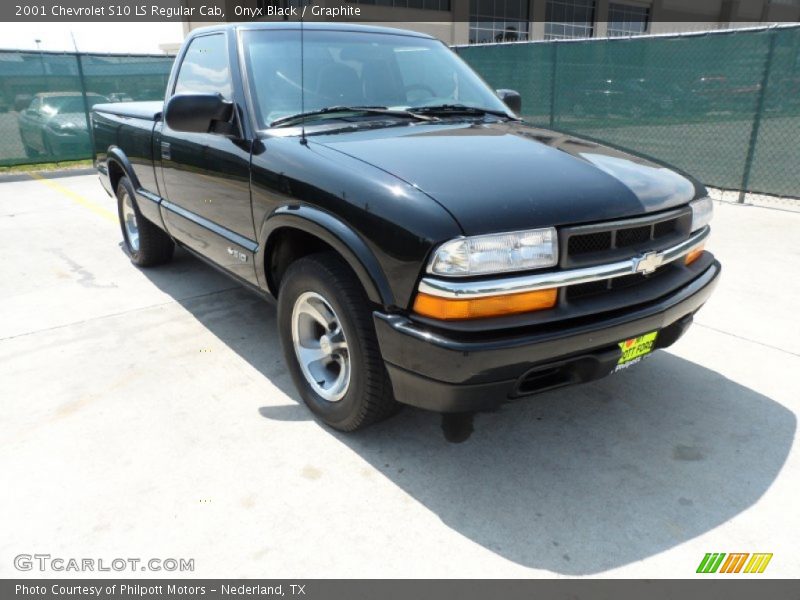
x,y
69,144
463,372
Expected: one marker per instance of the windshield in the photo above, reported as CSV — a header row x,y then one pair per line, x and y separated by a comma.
x,y
356,69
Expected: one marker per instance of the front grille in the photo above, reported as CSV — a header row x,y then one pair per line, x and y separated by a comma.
x,y
633,236
664,228
593,288
592,242
627,281
586,289
600,243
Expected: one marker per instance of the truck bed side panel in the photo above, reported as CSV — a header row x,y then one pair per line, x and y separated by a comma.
x,y
134,136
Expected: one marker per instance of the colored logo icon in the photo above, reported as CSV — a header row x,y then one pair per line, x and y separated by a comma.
x,y
737,562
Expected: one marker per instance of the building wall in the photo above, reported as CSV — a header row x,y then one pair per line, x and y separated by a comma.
x,y
666,16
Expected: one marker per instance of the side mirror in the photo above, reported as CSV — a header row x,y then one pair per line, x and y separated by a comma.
x,y
511,99
198,113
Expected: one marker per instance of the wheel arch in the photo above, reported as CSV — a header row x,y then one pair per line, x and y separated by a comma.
x,y
307,230
117,167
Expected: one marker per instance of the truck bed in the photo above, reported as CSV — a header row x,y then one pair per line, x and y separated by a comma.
x,y
128,125
150,110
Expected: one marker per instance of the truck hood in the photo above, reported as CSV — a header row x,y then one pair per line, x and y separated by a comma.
x,y
509,176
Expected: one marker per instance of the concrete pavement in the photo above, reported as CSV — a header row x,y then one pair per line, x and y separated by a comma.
x,y
149,414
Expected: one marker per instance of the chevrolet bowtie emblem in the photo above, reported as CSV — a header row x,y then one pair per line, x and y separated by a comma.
x,y
647,263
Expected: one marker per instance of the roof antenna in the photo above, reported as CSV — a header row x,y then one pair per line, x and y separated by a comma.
x,y
303,139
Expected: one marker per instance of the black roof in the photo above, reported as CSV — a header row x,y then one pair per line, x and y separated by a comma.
x,y
310,26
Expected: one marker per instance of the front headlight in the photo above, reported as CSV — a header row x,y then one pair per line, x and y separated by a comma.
x,y
496,253
702,211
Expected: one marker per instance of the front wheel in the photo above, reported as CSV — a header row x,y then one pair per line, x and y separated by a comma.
x,y
329,343
30,152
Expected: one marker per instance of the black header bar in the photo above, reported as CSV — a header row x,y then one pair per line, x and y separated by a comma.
x,y
403,11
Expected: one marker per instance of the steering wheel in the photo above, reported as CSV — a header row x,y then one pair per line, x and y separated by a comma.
x,y
421,87
308,91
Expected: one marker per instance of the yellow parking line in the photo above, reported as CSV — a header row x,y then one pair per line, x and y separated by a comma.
x,y
77,198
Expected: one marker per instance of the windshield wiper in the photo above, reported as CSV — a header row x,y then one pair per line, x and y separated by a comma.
x,y
357,110
458,109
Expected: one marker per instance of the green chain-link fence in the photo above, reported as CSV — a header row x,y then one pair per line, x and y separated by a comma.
x,y
44,97
724,106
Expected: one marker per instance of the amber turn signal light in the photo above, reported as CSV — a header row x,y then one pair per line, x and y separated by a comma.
x,y
451,309
694,254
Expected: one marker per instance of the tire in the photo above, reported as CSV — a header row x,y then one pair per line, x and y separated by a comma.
x,y
327,284
29,152
48,148
147,244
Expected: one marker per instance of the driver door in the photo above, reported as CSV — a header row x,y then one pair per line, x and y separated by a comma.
x,y
207,175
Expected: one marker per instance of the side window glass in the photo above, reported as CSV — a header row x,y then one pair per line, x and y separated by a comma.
x,y
205,68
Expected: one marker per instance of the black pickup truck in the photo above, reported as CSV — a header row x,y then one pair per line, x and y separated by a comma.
x,y
425,246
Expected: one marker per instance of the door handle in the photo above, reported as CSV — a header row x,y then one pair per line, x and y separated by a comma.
x,y
165,151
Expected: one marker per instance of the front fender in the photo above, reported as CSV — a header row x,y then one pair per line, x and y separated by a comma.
x,y
336,234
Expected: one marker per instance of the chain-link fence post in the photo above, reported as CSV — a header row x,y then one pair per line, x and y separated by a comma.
x,y
762,92
82,79
553,74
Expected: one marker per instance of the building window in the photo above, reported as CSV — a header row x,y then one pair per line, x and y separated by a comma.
x,y
624,19
443,5
492,21
567,19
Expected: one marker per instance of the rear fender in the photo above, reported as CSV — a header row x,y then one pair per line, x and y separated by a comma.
x,y
147,202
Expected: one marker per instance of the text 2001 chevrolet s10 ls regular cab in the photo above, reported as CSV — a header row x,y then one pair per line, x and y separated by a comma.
x,y
424,245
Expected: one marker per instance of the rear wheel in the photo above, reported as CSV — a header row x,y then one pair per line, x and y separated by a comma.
x,y
29,151
146,243
329,343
